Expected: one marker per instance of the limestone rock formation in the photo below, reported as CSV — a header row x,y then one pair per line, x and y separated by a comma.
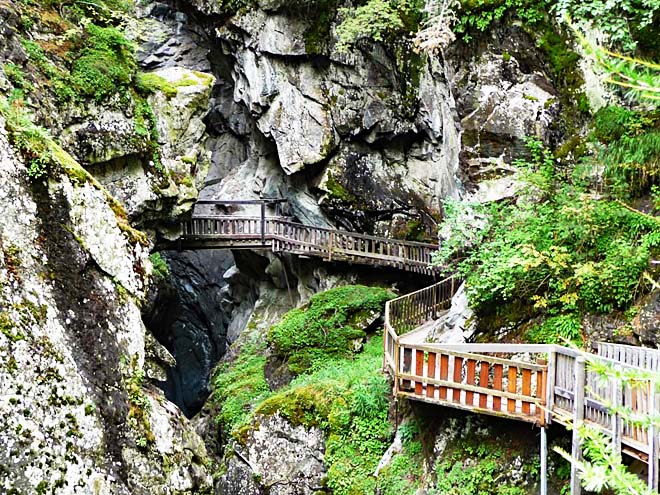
x,y
277,458
77,416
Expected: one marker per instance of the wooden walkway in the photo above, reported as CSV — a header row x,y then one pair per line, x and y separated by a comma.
x,y
280,234
536,383
540,384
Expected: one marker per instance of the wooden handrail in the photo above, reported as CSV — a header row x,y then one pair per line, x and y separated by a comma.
x,y
492,378
281,234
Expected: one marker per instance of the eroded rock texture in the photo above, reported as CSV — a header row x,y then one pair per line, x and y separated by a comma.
x,y
77,416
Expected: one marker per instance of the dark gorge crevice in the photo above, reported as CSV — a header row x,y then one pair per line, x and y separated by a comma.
x,y
189,314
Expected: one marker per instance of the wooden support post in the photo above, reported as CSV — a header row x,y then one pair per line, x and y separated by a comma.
x,y
484,370
471,369
458,378
527,390
578,417
331,245
512,387
616,393
444,372
652,438
497,385
430,371
263,223
550,380
544,462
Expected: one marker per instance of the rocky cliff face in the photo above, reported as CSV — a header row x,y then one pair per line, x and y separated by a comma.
x,y
258,104
79,412
78,416
363,141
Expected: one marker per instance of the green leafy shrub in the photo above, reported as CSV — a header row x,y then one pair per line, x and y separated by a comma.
x,y
621,21
557,330
566,253
326,326
479,15
378,20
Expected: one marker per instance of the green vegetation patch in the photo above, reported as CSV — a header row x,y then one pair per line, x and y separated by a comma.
x,y
344,392
630,149
161,270
239,386
348,399
403,474
566,253
106,62
479,15
327,326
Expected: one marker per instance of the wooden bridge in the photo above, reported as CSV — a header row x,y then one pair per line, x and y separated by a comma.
x,y
537,383
281,234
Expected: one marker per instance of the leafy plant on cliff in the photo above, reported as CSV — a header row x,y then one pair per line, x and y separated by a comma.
x,y
479,15
622,21
378,20
564,253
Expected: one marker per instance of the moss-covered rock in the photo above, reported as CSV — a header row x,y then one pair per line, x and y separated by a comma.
x,y
333,324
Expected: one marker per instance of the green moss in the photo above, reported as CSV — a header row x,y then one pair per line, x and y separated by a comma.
x,y
337,191
318,31
326,326
564,67
46,158
9,329
106,63
410,65
161,270
138,404
238,386
150,83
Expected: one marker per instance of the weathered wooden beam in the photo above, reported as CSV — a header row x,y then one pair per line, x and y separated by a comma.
x,y
578,416
653,439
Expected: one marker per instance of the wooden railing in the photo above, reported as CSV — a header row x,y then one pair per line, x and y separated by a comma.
x,y
642,357
539,383
280,234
